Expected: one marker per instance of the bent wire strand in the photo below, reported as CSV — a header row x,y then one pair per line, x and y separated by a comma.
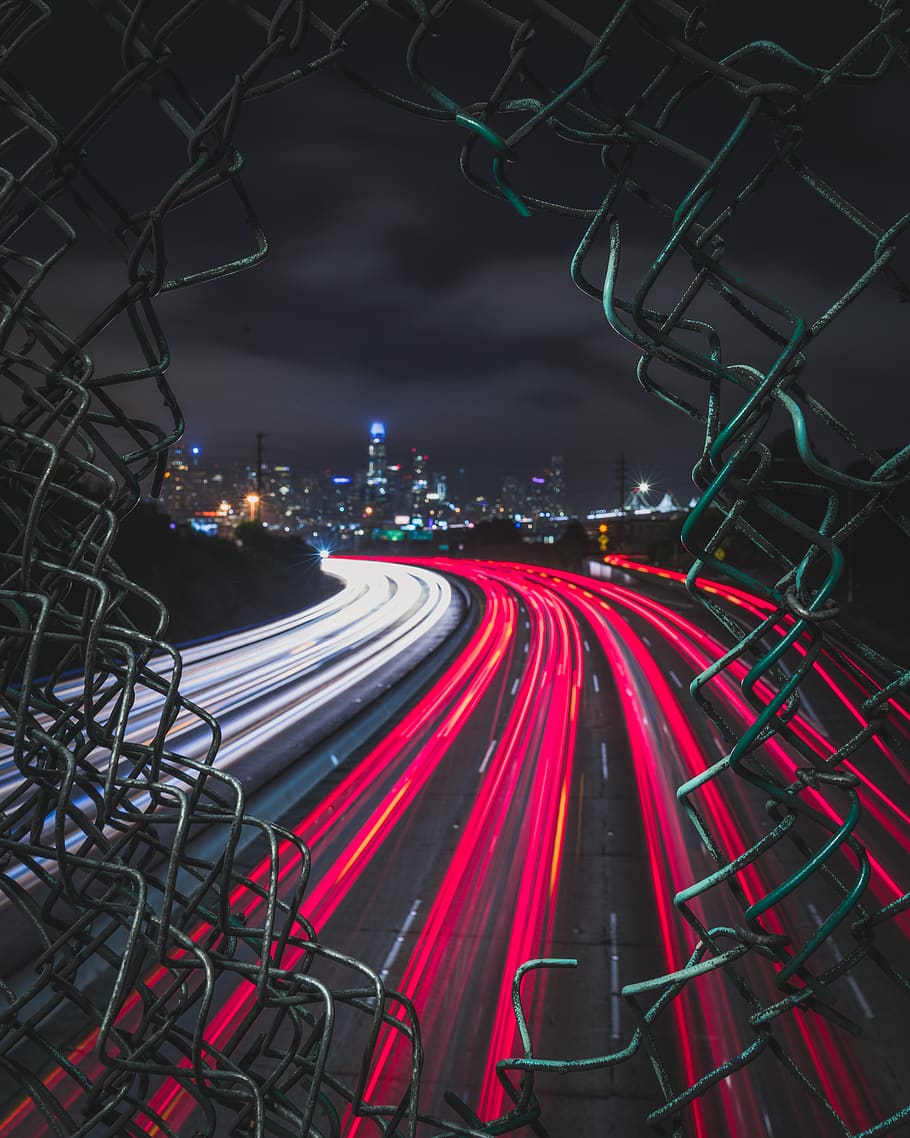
x,y
97,833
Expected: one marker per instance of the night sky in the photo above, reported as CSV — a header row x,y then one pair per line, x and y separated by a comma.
x,y
395,290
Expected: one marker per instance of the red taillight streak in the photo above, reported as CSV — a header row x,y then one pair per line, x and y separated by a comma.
x,y
659,823
337,880
538,888
471,860
833,1073
549,745
762,608
838,1088
659,815
659,617
476,667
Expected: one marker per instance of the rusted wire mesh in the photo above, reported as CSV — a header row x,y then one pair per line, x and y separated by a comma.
x,y
685,138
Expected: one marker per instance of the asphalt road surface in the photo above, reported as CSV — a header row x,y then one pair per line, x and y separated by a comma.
x,y
524,805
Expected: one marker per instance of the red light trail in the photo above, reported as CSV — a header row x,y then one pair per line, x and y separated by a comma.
x,y
497,900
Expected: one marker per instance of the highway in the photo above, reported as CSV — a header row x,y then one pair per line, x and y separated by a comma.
x,y
273,688
525,805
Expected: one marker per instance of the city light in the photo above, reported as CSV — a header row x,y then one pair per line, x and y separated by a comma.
x,y
380,496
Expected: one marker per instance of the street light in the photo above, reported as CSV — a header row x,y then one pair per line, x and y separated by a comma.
x,y
253,500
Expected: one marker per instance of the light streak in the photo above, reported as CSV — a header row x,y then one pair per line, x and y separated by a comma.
x,y
837,1078
474,669
508,858
530,764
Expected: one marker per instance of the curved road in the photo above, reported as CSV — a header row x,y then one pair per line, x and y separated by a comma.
x,y
525,805
268,686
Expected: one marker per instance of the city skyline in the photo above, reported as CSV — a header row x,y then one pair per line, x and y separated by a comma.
x,y
198,487
443,312
381,501
472,477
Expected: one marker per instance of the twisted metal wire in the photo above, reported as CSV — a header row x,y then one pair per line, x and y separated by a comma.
x,y
133,929
97,833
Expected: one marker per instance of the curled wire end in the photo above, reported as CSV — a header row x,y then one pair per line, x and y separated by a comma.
x,y
520,973
507,191
503,154
516,202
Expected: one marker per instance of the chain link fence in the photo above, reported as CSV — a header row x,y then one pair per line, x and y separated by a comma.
x,y
686,138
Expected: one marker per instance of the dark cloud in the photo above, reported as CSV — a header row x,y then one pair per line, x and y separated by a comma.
x,y
550,399
394,289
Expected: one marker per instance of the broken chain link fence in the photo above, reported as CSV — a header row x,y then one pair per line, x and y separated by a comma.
x,y
137,933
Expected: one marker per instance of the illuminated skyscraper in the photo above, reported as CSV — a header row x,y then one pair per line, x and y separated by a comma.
x,y
419,483
377,481
556,487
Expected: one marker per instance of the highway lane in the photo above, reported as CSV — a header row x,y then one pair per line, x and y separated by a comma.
x,y
496,684
349,831
847,680
459,847
306,659
268,686
709,1034
846,1072
837,686
352,820
490,892
506,861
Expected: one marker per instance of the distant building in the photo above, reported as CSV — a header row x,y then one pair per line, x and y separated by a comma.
x,y
555,487
639,502
339,494
419,482
546,500
189,488
512,498
377,484
177,496
395,488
